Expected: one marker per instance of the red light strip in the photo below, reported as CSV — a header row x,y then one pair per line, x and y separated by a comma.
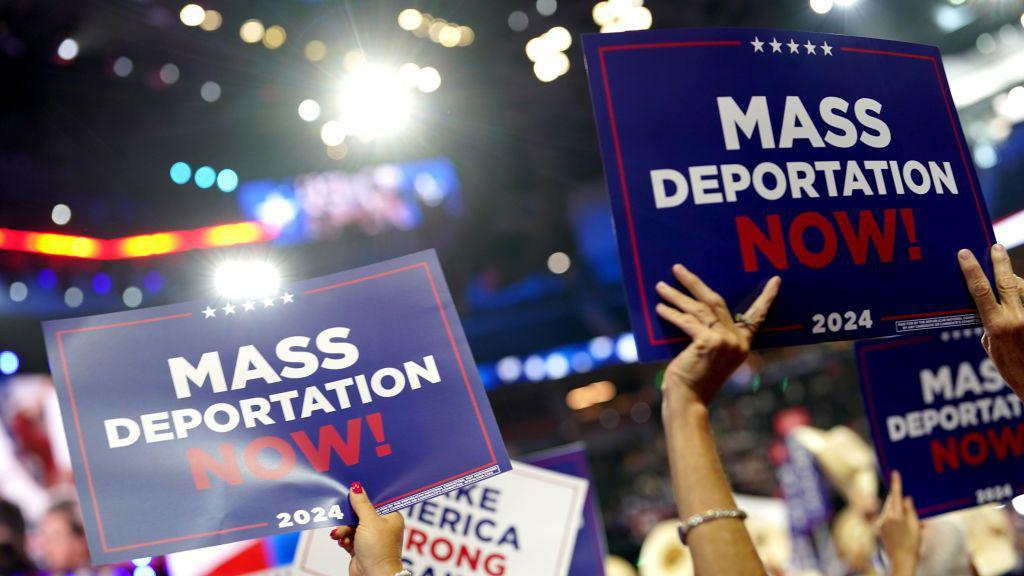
x,y
139,246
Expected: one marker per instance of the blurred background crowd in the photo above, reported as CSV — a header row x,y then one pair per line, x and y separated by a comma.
x,y
154,151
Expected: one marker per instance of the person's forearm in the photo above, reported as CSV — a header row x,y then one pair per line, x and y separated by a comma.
x,y
721,547
906,567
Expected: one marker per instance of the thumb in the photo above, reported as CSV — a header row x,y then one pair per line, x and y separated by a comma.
x,y
360,502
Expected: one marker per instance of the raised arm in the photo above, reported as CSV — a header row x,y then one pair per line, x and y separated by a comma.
x,y
1003,318
722,546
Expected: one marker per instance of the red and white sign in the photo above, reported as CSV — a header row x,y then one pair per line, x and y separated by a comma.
x,y
522,523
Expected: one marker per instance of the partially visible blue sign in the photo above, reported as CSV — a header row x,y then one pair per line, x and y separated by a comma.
x,y
807,496
591,548
941,415
834,161
202,423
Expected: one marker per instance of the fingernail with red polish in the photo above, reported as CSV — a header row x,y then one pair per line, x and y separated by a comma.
x,y
357,487
334,532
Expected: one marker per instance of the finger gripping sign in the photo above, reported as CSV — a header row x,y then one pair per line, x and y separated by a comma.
x,y
208,422
940,414
833,161
523,523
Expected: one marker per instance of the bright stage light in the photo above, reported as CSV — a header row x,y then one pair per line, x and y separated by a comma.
x,y
276,211
822,6
68,49
123,66
131,297
332,133
169,74
581,362
1011,105
622,15
315,50
558,38
60,214
845,3
509,369
434,31
238,279
985,156
409,73
192,15
534,368
102,283
227,180
210,91
601,348
337,152
375,102
211,21
410,19
274,37
450,36
73,297
354,60
518,21
590,395
9,363
251,31
559,262
546,7
309,110
18,291
428,79
547,53
47,279
625,348
180,173
551,66
557,366
205,177
986,43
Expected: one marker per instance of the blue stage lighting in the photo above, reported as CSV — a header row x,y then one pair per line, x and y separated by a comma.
x,y
205,177
101,283
9,362
227,180
180,172
47,279
153,281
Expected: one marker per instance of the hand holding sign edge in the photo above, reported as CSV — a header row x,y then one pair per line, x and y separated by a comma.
x,y
378,549
1003,319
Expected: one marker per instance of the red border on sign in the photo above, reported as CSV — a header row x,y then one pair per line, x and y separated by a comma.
x,y
81,442
625,192
869,397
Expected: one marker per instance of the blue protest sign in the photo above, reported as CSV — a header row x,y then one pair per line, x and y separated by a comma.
x,y
940,414
591,548
807,496
207,422
834,161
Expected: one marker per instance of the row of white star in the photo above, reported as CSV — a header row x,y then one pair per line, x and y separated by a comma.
x,y
248,305
964,333
794,48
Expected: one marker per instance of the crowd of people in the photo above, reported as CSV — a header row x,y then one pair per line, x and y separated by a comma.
x,y
711,523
